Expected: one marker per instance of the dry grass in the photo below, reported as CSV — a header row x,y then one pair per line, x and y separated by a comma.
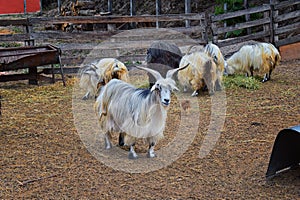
x,y
43,157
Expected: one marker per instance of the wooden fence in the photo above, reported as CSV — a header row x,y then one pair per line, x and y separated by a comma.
x,y
274,25
106,21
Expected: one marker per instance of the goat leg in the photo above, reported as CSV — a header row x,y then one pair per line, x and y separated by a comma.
x,y
107,141
266,78
121,139
132,154
150,153
86,96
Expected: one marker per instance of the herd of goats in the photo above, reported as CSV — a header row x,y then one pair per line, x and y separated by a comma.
x,y
141,113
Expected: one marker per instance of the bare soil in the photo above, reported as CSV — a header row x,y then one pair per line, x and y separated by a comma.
x,y
43,156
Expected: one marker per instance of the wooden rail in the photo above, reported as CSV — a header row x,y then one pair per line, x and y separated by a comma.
x,y
266,28
273,25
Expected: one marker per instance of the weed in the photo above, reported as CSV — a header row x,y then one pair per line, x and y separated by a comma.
x,y
242,81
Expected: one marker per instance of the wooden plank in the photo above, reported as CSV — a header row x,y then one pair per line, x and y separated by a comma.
x,y
231,41
238,26
14,22
14,37
16,77
81,36
287,28
289,40
287,16
240,13
67,70
286,4
113,19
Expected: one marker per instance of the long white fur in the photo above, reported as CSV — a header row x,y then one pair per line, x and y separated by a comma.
x,y
100,72
261,57
140,113
201,71
215,53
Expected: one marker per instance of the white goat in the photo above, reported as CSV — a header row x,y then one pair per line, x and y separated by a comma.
x,y
135,113
261,57
215,53
97,74
201,72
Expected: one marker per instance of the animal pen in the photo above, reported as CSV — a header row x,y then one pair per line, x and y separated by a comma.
x,y
273,25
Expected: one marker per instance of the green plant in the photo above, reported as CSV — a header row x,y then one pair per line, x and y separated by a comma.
x,y
9,44
232,5
233,81
17,29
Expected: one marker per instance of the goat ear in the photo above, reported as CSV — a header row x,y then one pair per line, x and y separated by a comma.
x,y
171,72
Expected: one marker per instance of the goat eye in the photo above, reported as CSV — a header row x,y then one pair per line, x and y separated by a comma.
x,y
158,87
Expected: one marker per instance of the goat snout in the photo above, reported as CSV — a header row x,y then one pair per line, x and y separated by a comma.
x,y
166,102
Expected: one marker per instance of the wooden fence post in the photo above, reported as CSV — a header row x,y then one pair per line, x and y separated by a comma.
x,y
133,11
59,6
110,27
158,11
225,22
247,16
109,6
187,11
274,25
25,7
267,27
207,26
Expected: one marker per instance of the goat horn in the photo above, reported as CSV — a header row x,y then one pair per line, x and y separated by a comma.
x,y
156,74
171,72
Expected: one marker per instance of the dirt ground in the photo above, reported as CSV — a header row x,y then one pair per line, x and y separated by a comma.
x,y
44,157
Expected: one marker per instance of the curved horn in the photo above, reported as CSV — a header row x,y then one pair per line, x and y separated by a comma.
x,y
156,74
171,72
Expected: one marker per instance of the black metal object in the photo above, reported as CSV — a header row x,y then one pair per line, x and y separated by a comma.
x,y
286,151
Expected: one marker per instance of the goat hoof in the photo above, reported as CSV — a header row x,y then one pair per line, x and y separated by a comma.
x,y
151,155
132,156
195,94
107,145
85,98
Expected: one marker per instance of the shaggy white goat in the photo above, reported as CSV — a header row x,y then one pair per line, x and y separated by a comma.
x,y
215,53
201,72
261,57
135,113
98,73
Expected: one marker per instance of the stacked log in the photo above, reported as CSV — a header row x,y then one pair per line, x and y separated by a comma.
x,y
78,8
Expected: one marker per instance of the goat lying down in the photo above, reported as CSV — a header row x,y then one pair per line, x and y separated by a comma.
x,y
201,72
95,75
135,113
261,57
